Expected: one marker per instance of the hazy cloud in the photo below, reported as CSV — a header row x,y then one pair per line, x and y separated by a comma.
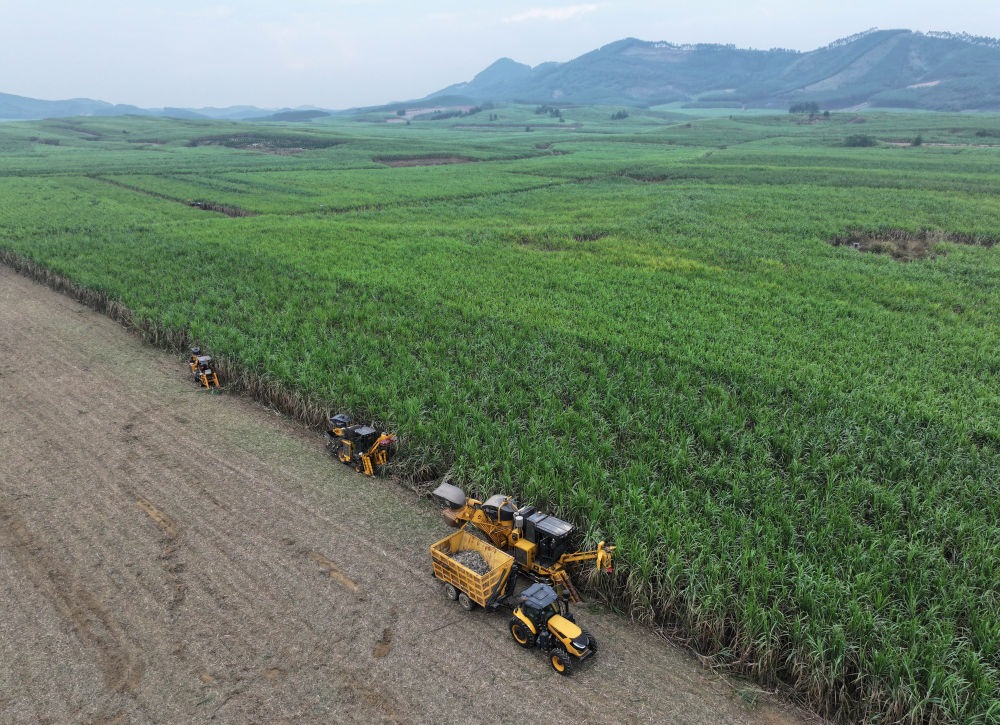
x,y
553,14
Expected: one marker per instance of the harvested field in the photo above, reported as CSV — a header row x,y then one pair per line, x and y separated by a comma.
x,y
174,555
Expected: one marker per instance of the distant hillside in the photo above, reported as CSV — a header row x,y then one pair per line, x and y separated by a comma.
x,y
877,68
20,108
293,116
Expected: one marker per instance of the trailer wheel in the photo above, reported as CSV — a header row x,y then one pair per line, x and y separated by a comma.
x,y
466,603
560,662
450,592
521,634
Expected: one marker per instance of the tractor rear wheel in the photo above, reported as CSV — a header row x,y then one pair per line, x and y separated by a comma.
x,y
560,662
521,634
466,603
450,592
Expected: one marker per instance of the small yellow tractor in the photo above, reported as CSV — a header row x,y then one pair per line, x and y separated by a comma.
x,y
543,620
359,446
541,545
201,366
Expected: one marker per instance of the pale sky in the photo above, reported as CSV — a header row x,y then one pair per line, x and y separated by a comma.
x,y
346,53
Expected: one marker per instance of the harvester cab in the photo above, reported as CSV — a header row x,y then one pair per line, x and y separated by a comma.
x,y
360,446
543,538
543,620
201,367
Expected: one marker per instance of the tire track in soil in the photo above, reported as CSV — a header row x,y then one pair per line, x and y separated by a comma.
x,y
236,601
231,596
171,567
90,501
90,620
54,575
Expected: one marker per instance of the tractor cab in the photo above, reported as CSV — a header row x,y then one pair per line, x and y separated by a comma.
x,y
539,603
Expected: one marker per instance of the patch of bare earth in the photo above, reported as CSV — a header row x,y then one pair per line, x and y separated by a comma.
x,y
170,554
934,144
906,246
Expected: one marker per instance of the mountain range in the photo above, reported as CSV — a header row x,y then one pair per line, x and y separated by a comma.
x,y
874,69
21,108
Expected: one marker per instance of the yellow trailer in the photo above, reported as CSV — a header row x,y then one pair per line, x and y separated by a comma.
x,y
463,583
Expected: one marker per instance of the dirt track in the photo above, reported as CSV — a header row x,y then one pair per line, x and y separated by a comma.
x,y
173,555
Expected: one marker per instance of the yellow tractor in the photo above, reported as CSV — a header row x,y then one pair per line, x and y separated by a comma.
x,y
541,545
359,446
543,620
201,366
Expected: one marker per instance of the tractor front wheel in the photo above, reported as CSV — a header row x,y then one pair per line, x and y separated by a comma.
x,y
593,641
560,662
521,634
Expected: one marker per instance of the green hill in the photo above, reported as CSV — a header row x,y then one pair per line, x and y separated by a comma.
x,y
877,68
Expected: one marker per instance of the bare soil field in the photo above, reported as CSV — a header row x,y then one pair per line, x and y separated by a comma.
x,y
170,554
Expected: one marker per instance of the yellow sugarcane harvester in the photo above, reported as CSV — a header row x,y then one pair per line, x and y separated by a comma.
x,y
541,545
201,366
359,446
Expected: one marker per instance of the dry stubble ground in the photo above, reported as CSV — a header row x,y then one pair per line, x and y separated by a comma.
x,y
173,555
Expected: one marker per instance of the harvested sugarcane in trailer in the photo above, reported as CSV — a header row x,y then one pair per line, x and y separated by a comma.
x,y
542,545
359,446
473,571
201,365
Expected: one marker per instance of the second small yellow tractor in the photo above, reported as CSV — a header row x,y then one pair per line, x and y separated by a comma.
x,y
359,446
